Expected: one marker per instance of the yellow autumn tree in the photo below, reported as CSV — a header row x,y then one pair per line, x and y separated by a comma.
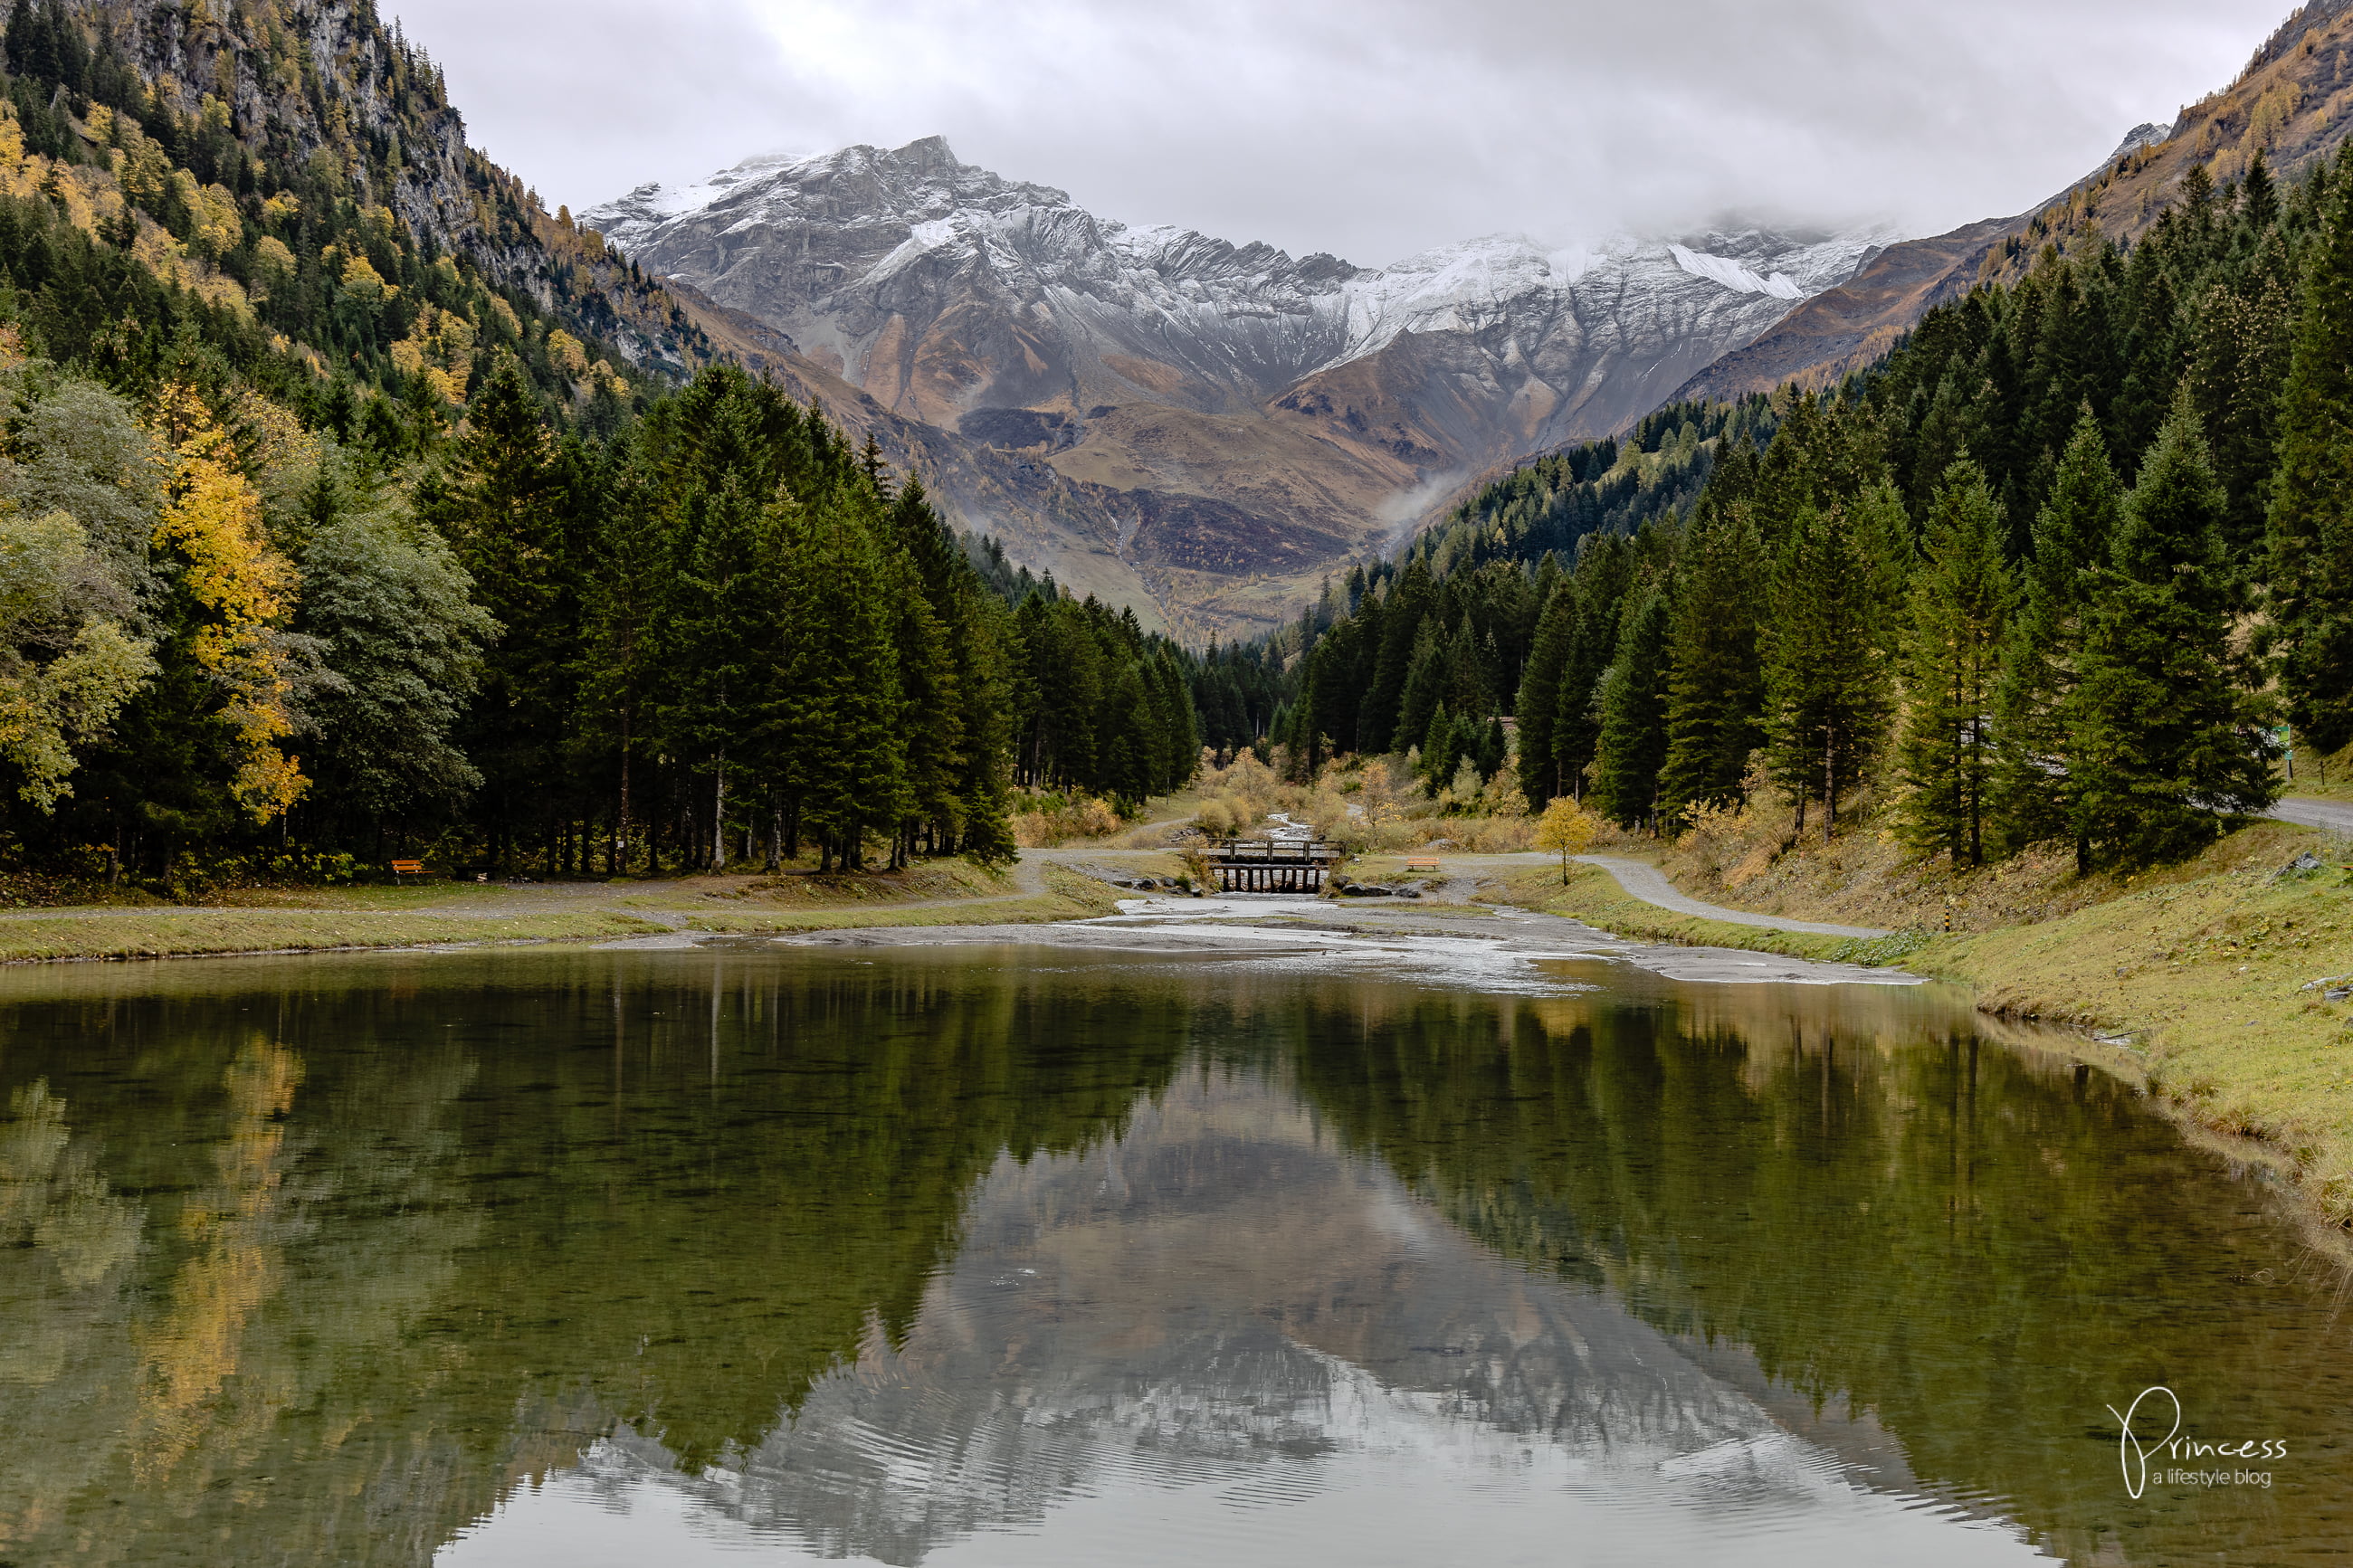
x,y
441,348
361,279
565,352
212,522
1567,829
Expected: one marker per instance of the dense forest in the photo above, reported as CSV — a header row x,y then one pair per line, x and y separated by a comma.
x,y
2055,569
320,538
352,504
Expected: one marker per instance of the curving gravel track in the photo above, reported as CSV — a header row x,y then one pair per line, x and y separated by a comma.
x,y
1650,885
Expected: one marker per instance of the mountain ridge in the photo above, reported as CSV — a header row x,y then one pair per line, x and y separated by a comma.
x,y
1239,422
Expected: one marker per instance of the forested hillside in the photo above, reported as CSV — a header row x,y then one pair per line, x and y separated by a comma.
x,y
2291,106
1600,486
2054,569
351,503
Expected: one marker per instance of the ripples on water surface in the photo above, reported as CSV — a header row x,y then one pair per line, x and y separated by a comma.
x,y
975,1257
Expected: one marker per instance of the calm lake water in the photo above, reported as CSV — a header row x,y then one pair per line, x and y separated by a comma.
x,y
1015,1256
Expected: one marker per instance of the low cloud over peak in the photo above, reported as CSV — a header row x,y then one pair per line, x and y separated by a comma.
x,y
1366,128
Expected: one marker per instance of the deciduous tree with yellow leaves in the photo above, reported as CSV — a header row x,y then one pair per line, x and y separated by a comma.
x,y
211,522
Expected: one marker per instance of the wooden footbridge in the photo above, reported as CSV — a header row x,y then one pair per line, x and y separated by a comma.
x,y
1273,866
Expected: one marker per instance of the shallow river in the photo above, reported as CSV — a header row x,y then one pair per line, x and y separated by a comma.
x,y
998,1256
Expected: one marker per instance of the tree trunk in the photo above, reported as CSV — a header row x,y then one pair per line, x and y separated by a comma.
x,y
1830,784
617,862
719,813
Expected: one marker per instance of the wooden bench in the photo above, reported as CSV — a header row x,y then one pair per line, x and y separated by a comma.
x,y
1422,863
401,868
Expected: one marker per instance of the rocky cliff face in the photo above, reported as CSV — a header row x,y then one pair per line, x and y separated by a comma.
x,y
328,84
1242,420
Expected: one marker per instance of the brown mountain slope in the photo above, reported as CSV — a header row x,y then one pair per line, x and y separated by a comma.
x,y
1849,327
1235,422
2293,103
1036,513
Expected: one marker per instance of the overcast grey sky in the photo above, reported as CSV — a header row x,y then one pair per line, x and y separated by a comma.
x,y
1368,128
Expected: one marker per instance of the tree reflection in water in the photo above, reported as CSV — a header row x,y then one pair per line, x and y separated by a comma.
x,y
322,1261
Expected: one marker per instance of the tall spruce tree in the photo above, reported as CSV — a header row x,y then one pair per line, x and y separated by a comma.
x,y
1605,566
1717,690
2034,782
1633,703
2310,525
1960,604
843,711
1437,747
622,596
1830,650
719,624
1425,684
1539,700
1405,605
930,610
2169,729
503,501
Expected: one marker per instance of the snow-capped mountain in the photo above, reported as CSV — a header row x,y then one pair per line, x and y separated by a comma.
x,y
1257,416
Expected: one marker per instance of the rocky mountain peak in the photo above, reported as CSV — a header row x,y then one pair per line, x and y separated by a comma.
x,y
1245,419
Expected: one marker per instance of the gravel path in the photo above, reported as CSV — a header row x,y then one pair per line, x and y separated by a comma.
x,y
2305,811
1650,885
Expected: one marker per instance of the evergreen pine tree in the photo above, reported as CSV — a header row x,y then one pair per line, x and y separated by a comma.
x,y
2168,731
1425,684
1492,746
1438,749
1828,653
719,625
2239,347
1385,721
1604,569
842,710
930,610
502,501
2034,783
1717,691
1960,603
2310,526
1539,700
622,597
1468,687
1634,711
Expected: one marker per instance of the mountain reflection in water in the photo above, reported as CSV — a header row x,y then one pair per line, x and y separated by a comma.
x,y
956,1258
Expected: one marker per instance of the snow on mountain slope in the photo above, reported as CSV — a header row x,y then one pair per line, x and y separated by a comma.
x,y
1264,418
834,250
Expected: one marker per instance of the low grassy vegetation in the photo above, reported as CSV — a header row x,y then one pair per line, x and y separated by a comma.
x,y
2320,775
2222,982
1756,859
275,919
1066,895
171,933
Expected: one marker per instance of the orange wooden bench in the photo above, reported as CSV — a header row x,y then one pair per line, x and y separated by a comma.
x,y
407,869
1422,863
